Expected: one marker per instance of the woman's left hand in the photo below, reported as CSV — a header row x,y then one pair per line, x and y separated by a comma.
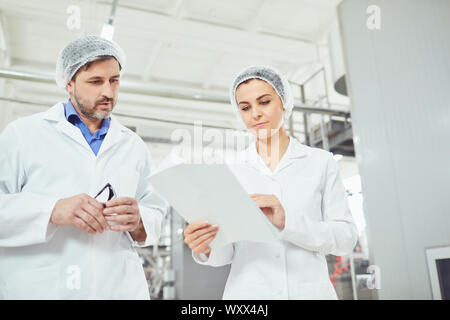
x,y
271,207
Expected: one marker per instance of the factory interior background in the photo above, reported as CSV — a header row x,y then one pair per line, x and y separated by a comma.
x,y
370,82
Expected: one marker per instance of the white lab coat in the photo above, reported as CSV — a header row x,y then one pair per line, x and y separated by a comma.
x,y
318,222
45,158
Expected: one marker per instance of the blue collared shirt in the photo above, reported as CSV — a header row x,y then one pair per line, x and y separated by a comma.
x,y
94,140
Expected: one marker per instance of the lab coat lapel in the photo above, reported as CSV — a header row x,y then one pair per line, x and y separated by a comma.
x,y
295,151
115,133
251,157
56,114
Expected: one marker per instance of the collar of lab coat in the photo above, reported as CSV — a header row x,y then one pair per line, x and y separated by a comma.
x,y
295,151
56,114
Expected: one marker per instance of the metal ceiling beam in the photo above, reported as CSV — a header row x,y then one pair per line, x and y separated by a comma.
x,y
165,91
119,114
113,12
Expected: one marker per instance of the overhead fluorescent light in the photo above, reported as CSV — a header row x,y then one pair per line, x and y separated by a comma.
x,y
107,31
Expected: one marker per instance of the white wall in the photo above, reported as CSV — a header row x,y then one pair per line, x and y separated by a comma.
x,y
399,82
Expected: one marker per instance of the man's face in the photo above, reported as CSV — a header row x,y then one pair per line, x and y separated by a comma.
x,y
94,91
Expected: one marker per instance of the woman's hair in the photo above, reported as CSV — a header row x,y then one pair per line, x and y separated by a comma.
x,y
272,77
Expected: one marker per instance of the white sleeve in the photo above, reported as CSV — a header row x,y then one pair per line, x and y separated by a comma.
x,y
336,233
152,208
24,216
217,257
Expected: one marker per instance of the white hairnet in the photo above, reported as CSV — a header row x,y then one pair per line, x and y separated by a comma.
x,y
81,51
271,76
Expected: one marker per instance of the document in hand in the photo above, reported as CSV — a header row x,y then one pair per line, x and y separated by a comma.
x,y
212,193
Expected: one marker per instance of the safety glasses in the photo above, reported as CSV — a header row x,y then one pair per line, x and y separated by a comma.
x,y
107,192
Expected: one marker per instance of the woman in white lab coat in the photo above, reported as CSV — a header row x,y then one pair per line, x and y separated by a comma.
x,y
296,187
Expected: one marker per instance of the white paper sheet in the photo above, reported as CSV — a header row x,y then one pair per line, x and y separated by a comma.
x,y
212,193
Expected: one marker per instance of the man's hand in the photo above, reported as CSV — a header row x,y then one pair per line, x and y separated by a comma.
x,y
127,216
81,211
271,207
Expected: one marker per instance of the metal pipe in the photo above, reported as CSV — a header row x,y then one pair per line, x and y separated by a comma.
x,y
305,116
113,12
324,128
121,114
326,88
291,127
27,76
163,91
23,102
324,134
312,76
353,277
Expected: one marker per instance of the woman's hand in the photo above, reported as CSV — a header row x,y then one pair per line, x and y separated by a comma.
x,y
271,207
198,235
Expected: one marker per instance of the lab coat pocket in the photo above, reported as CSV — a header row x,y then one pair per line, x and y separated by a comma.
x,y
315,291
305,199
247,291
35,284
137,286
127,182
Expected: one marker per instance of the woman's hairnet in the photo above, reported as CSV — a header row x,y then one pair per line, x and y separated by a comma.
x,y
271,76
81,51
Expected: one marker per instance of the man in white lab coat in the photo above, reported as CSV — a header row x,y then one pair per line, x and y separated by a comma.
x,y
57,239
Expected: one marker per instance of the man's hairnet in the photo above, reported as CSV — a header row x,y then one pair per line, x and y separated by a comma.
x,y
271,76
81,51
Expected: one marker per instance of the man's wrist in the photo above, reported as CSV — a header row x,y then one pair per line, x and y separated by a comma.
x,y
139,235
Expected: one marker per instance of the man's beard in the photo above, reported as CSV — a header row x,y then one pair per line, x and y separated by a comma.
x,y
90,113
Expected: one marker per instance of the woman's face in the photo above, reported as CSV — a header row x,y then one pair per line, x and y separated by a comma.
x,y
260,107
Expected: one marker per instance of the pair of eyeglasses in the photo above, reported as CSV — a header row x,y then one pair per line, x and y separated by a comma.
x,y
107,188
